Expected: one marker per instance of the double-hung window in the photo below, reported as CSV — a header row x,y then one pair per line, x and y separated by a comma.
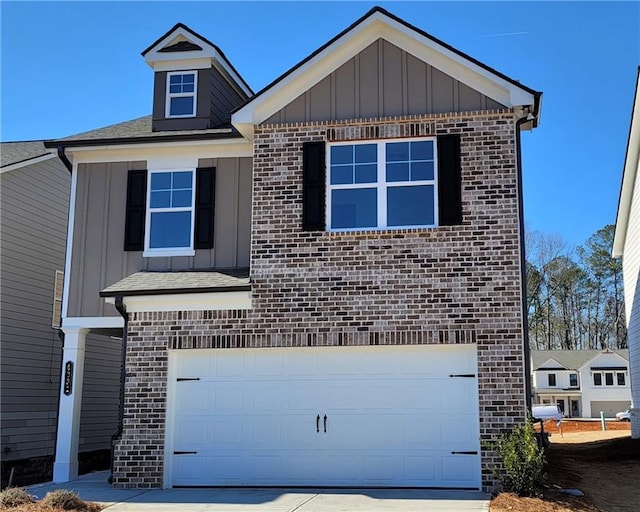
x,y
170,214
181,94
382,185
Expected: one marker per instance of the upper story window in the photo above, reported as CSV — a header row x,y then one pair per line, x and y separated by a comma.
x,y
552,379
170,214
181,94
609,378
573,380
383,184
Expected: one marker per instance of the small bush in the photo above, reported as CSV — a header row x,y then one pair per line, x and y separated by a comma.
x,y
523,461
14,497
64,499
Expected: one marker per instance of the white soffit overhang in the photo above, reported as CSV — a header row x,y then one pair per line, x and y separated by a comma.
x,y
192,59
376,26
630,172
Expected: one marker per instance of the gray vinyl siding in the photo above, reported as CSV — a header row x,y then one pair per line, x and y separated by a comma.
x,y
100,392
98,258
382,80
33,219
223,98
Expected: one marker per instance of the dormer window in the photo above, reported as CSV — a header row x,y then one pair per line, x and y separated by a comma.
x,y
181,94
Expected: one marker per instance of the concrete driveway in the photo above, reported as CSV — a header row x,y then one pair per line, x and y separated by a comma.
x,y
94,487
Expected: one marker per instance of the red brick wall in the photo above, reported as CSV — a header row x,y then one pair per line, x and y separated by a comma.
x,y
453,284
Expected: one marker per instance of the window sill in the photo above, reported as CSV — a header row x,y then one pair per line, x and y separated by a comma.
x,y
168,253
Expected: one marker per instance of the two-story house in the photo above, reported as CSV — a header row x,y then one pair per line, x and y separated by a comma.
x,y
316,284
34,204
626,245
583,383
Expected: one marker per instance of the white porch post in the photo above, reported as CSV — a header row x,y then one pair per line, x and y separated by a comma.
x,y
65,467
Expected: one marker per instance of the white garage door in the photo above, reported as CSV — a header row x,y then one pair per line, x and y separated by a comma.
x,y
332,416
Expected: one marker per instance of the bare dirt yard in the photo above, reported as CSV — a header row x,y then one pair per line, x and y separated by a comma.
x,y
605,466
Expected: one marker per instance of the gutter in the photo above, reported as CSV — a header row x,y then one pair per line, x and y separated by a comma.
x,y
120,307
523,259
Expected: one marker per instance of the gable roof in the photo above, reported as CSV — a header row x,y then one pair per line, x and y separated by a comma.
x,y
629,175
192,46
375,24
570,359
22,152
138,131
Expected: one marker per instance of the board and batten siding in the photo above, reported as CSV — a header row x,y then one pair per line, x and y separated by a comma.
x,y
631,273
381,81
33,218
98,258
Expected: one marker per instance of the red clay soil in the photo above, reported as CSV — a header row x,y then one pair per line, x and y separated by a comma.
x,y
571,425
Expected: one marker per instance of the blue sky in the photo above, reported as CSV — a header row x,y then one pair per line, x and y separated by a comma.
x,y
69,67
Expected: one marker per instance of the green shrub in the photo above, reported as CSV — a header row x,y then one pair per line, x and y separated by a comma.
x,y
64,499
523,461
14,497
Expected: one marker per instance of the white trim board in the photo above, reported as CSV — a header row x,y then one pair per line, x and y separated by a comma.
x,y
25,163
92,322
186,302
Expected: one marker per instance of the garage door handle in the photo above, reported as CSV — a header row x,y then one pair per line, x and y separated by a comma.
x,y
184,453
325,423
318,423
464,453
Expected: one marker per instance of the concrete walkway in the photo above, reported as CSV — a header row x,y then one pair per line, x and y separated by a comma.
x,y
94,487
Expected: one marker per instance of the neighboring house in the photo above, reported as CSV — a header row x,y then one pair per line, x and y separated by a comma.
x,y
317,284
34,203
582,383
626,245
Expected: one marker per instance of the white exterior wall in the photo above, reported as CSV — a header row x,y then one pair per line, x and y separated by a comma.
x,y
591,392
541,380
631,271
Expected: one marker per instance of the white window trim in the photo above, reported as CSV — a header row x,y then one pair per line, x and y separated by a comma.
x,y
170,95
615,379
169,251
381,184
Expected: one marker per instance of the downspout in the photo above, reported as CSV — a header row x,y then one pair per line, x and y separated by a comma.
x,y
120,307
63,157
523,264
65,160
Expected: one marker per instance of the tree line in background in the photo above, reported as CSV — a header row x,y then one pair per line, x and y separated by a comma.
x,y
575,297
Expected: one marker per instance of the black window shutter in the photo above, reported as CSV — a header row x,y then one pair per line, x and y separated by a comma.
x,y
205,206
449,181
313,186
135,210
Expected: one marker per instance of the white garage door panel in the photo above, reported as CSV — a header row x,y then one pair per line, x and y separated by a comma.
x,y
394,415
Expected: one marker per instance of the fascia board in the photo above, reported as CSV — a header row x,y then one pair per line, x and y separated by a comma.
x,y
131,152
186,301
352,43
183,64
25,163
629,175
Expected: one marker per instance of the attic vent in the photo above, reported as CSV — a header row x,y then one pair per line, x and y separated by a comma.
x,y
57,300
180,46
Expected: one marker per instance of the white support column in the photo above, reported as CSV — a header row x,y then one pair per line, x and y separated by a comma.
x,y
65,467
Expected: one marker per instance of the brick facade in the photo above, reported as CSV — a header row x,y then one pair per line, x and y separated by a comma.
x,y
452,284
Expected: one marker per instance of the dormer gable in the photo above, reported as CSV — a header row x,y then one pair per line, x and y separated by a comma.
x,y
195,85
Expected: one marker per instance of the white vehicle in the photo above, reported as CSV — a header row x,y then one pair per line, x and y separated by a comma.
x,y
624,416
546,412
